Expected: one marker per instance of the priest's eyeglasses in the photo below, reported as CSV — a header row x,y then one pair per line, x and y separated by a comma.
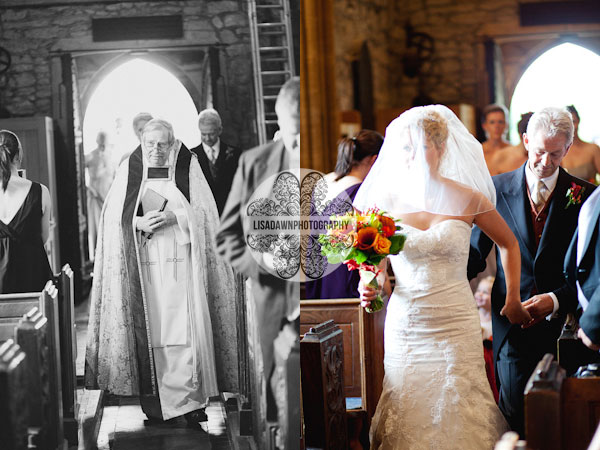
x,y
158,145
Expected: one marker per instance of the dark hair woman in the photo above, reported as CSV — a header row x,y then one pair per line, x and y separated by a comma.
x,y
25,212
356,156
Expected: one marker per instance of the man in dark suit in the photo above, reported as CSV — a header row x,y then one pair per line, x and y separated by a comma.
x,y
540,203
217,159
582,270
275,300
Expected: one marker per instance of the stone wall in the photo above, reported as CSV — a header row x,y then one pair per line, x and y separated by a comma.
x,y
453,24
32,33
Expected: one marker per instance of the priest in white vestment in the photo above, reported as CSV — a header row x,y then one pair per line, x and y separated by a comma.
x,y
156,271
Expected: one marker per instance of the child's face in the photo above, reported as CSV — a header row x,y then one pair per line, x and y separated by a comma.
x,y
483,294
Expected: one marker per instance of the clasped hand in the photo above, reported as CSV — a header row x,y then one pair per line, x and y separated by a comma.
x,y
367,294
154,220
516,312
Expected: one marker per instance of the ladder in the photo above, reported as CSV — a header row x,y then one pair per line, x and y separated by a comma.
x,y
272,58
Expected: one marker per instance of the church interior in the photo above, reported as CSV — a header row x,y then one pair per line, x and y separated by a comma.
x,y
75,73
364,63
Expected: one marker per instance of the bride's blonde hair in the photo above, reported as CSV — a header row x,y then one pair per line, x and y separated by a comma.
x,y
435,128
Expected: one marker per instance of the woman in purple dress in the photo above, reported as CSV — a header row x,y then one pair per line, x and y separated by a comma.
x,y
356,155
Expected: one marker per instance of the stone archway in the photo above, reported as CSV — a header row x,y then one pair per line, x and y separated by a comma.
x,y
136,85
565,73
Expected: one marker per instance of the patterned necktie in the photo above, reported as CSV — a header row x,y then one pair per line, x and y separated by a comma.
x,y
212,153
539,195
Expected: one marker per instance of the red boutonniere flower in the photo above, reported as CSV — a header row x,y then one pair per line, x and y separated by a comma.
x,y
574,194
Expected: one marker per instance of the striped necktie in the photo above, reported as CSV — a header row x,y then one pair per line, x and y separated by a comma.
x,y
539,195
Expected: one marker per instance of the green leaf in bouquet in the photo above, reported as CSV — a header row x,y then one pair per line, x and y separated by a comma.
x,y
375,259
360,257
397,243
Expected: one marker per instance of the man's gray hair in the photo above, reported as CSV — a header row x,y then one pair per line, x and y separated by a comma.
x,y
551,122
289,97
160,124
209,116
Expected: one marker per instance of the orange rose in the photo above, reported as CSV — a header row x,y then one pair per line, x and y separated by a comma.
x,y
366,238
388,226
382,245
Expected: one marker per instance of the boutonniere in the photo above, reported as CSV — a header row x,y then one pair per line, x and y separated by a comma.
x,y
574,194
229,153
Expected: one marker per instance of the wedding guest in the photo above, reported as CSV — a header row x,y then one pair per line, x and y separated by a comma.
x,y
274,299
356,156
494,124
582,270
25,216
217,159
101,173
513,157
583,159
139,122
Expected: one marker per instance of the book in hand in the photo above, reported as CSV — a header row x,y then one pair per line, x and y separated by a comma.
x,y
152,201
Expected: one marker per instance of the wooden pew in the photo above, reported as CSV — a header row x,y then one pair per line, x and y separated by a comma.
x,y
68,346
561,413
32,335
363,345
12,308
323,399
13,408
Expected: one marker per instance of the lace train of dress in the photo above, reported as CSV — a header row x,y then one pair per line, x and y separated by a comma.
x,y
435,394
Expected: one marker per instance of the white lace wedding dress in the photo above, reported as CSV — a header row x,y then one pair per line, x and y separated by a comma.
x,y
436,394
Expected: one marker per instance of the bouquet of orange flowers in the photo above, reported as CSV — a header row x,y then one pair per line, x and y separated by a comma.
x,y
362,241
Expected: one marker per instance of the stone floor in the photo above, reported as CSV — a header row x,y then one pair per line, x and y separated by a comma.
x,y
124,425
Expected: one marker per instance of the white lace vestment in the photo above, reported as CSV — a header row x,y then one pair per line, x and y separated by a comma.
x,y
435,393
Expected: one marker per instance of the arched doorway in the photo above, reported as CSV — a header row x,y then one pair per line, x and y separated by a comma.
x,y
566,74
135,86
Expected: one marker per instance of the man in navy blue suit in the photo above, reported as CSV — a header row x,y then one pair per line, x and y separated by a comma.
x,y
582,270
540,203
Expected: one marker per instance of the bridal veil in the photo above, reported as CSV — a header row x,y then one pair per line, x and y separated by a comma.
x,y
429,162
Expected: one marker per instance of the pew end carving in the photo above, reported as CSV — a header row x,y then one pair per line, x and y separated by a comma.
x,y
13,408
363,346
322,367
561,413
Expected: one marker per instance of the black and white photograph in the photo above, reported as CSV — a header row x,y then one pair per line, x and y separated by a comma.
x,y
131,317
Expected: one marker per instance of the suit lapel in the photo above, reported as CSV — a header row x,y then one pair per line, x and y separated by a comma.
x,y
519,208
222,156
556,211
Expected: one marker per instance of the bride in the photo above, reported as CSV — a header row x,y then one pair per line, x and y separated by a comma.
x,y
431,173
